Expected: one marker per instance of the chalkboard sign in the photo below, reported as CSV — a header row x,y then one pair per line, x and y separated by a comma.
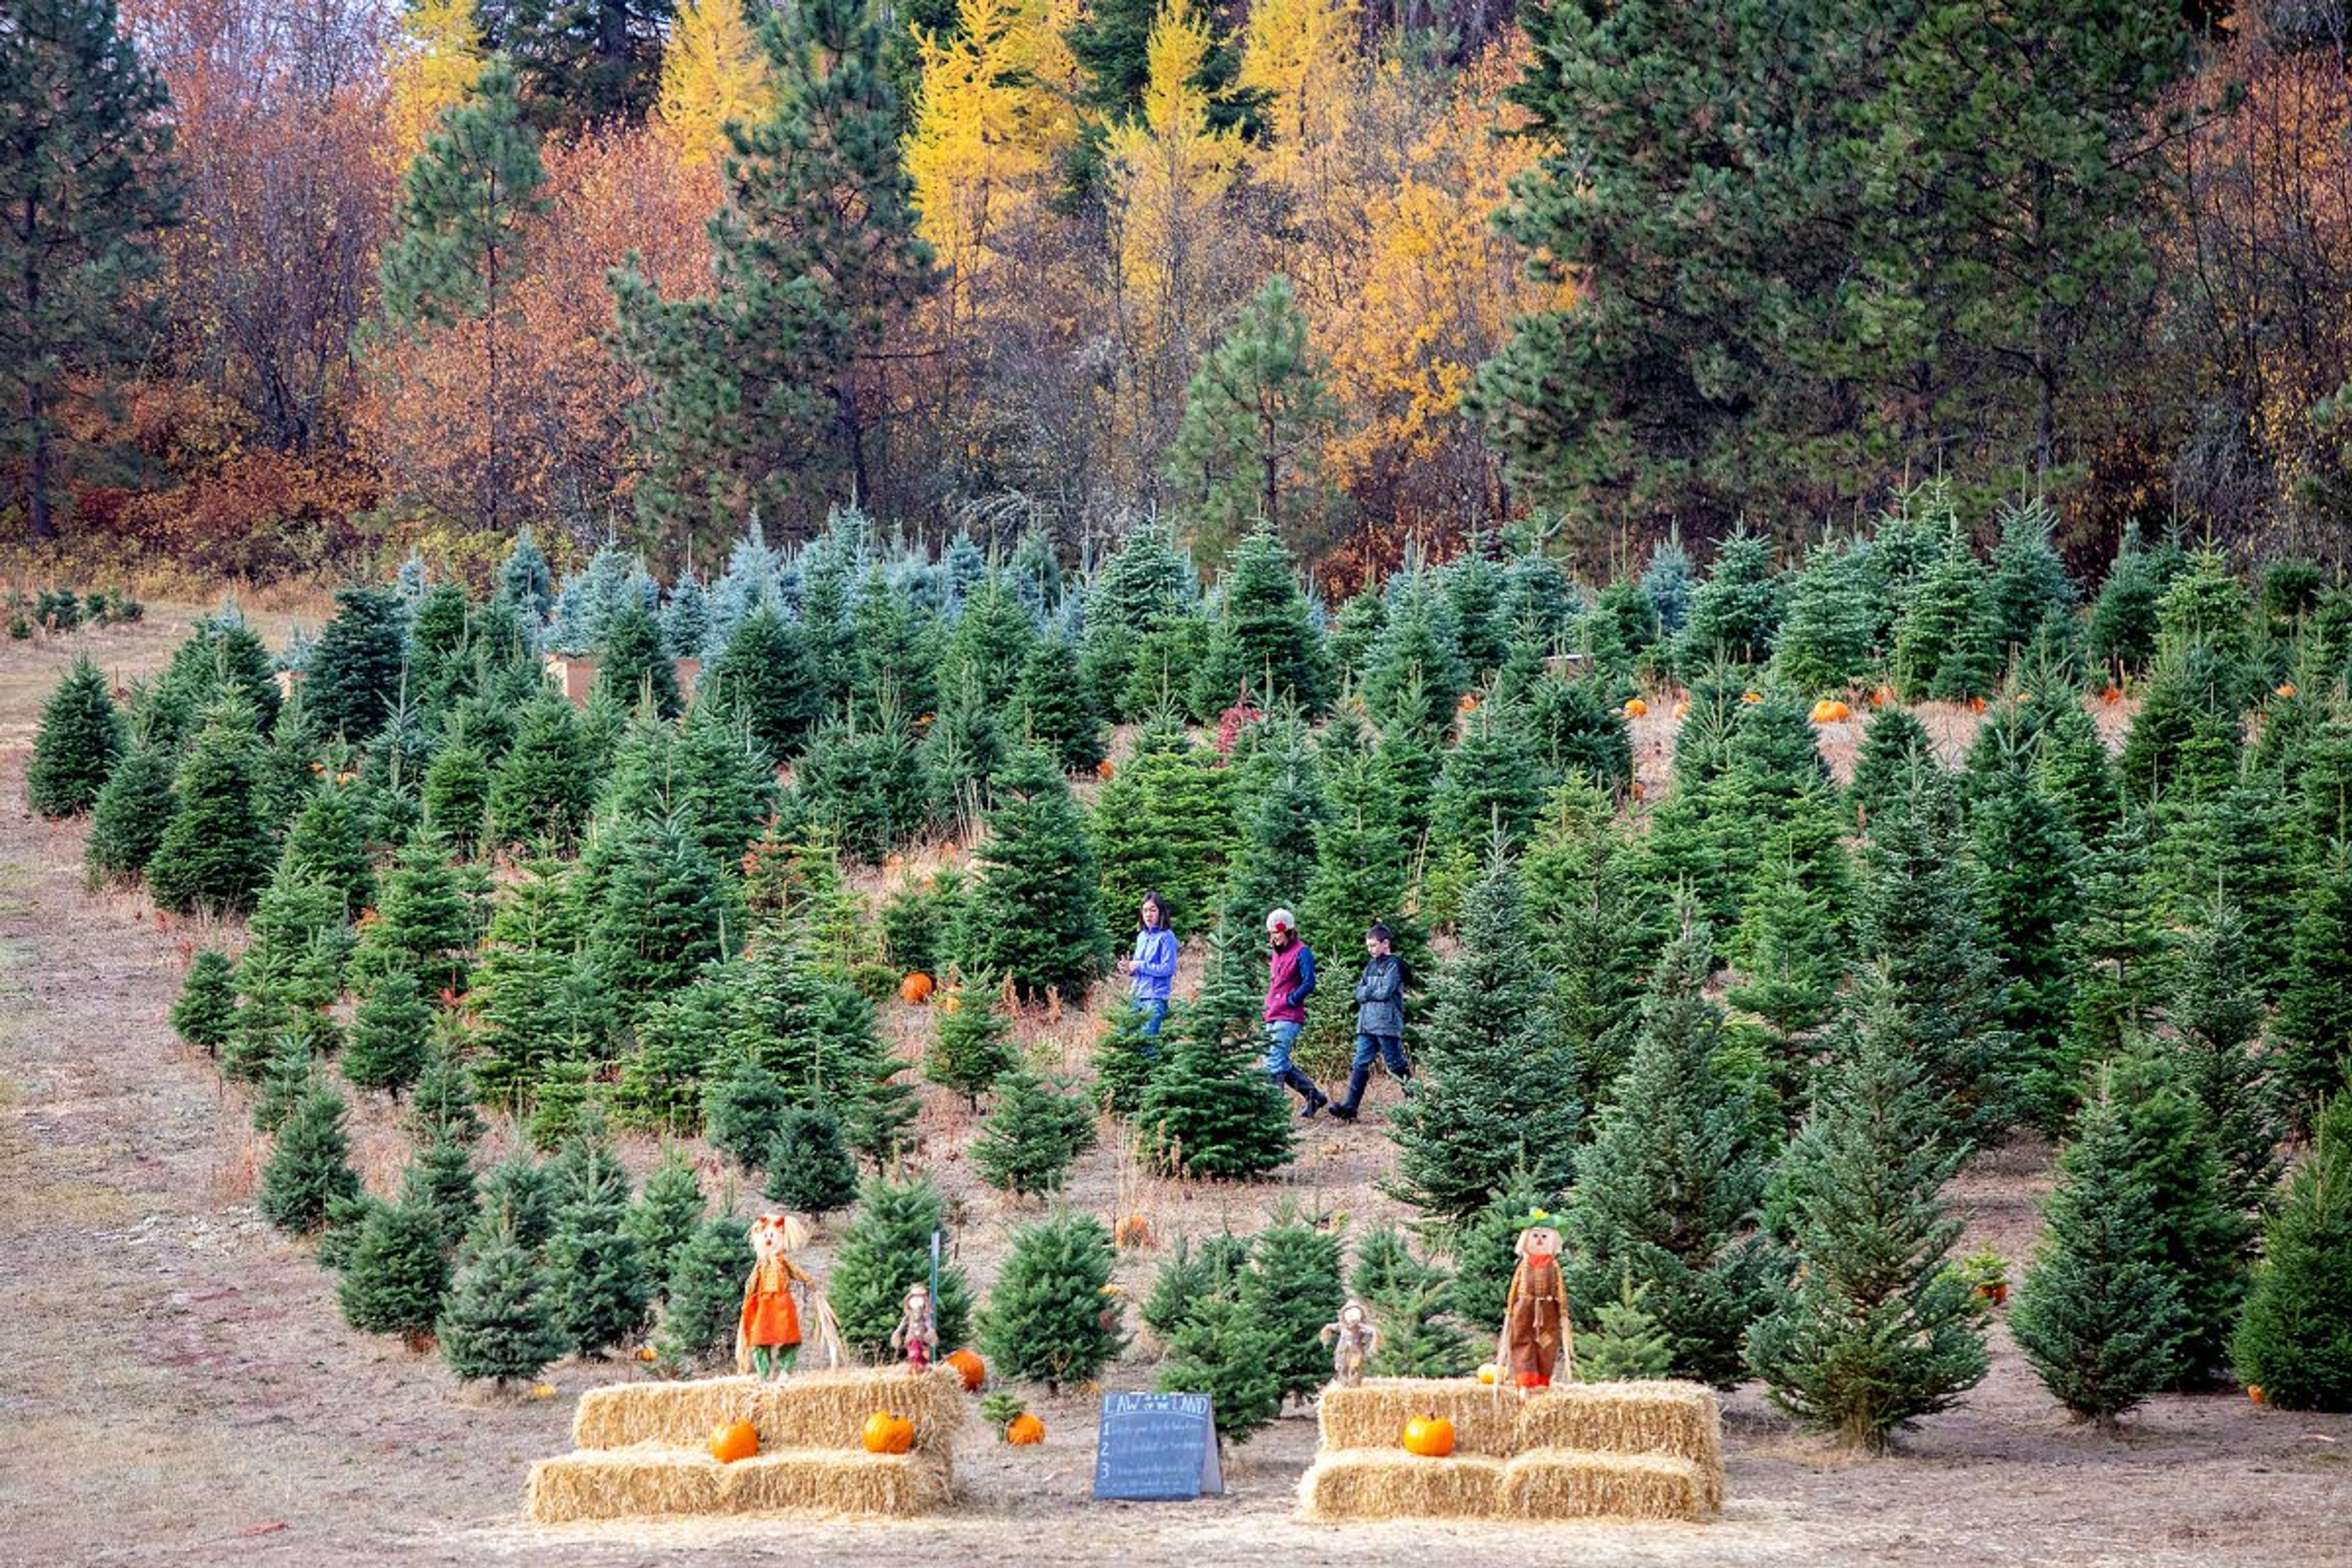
x,y
1157,1447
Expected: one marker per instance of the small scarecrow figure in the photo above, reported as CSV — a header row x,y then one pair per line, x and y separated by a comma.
x,y
1535,1340
1357,1337
918,1333
768,1335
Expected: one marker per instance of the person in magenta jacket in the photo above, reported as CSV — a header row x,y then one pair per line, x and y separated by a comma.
x,y
1289,981
1150,969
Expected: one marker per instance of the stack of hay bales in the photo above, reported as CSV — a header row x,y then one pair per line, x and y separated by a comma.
x,y
1584,1450
643,1448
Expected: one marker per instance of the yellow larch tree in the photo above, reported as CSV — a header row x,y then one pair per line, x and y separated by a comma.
x,y
973,155
713,70
1302,55
1170,176
436,57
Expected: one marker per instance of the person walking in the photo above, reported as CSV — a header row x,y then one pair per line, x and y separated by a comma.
x,y
1289,981
1380,1019
1150,969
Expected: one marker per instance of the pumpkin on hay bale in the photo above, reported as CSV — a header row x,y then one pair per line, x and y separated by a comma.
x,y
808,1410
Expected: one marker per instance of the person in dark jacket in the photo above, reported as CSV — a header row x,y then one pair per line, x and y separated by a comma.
x,y
1379,1020
1289,981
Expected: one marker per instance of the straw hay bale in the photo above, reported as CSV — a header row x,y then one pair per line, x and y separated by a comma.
x,y
1389,1483
656,1480
1372,1414
808,1410
1568,1483
1678,1420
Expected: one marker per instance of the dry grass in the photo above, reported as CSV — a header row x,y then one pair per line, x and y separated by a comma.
x,y
1389,1483
1568,1483
657,1479
809,1410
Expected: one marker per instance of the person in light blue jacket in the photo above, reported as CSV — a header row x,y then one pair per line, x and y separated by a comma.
x,y
1152,968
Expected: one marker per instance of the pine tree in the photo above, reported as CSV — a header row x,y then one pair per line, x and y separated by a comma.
x,y
1210,1110
214,856
519,1197
423,923
1255,416
497,1323
1792,959
325,845
757,395
1828,640
664,1217
440,1180
1031,914
972,1046
2072,767
130,817
310,1164
1225,1351
1495,1090
544,789
2121,633
596,1273
397,1276
704,1294
1944,648
1736,613
763,673
1876,1331
2099,1316
390,1035
1670,1184
355,670
634,664
2025,860
1034,1132
1265,642
2315,1012
1126,1060
2295,1340
1165,823
455,793
1292,1290
1624,1344
1049,1318
886,1248
809,1167
2217,1015
206,1009
442,1103
2030,584
1053,711
661,914
80,741
1895,756
1491,784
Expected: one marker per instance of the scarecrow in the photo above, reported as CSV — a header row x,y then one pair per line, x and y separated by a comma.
x,y
1535,1329
918,1333
1357,1337
768,1336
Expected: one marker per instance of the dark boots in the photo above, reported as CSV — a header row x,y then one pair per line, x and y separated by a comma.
x,y
1347,1109
1304,1087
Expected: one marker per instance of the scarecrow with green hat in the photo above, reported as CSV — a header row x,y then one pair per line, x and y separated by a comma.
x,y
1536,1335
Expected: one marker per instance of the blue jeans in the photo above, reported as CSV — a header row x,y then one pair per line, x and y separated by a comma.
x,y
1155,1013
1386,1049
1281,1034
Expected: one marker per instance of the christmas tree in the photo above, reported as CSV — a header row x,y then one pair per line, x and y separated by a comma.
x,y
397,1276
1191,1276
309,1165
1408,1300
440,1181
1874,1331
991,642
596,1273
497,1322
1165,823
207,1008
2025,860
972,1046
215,855
532,991
1258,413
1211,1109
1670,1184
1416,671
705,1294
1829,641
518,1194
660,916
2122,630
2029,584
325,845
2296,1338
391,1035
1225,1351
2217,1015
809,1167
1890,766
1623,1344
1034,1130
1593,930
664,1217
128,820
1126,1060
1944,647
634,666
1050,1318
456,794
545,784
1053,711
1792,960
961,754
423,922
358,666
442,1104
80,741
1292,1290
722,781
763,674
1264,643
1735,612
1031,914
2098,1315
885,1249
1494,1086
2315,1012
2071,766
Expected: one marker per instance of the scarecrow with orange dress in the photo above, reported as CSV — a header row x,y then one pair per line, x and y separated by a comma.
x,y
1536,1337
768,1335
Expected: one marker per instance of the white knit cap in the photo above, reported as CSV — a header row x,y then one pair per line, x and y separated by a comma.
x,y
1282,919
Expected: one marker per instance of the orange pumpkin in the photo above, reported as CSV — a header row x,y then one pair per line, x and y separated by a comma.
x,y
970,1368
1430,1436
645,1352
2285,689
1488,1372
1468,703
2112,695
1635,708
2254,1393
1976,704
1751,697
916,988
733,1440
1024,1430
951,1003
888,1434
1682,708
1105,769
1133,1231
1882,696
1829,711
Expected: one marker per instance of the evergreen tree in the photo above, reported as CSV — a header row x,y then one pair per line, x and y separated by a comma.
x,y
809,1167
1211,1109
1048,1319
596,1272
2217,1015
1736,613
2030,584
2315,1012
2296,1338
991,645
634,664
2072,767
1894,758
1034,1132
1669,1188
663,1220
310,1164
80,741
1624,1344
661,915
1494,1085
518,1196
704,1294
1189,1276
324,845
391,1035
130,817
440,1181
2099,1316
759,397
864,785
886,1248
215,855
534,997
442,1104
397,1276
1053,711
1593,931
1126,1060
205,1010
1944,648
356,669
1828,640
1165,823
763,673
1292,1290
2025,860
1031,914
2121,633
455,793
1257,415
1416,670
544,787
1408,1300
1225,1351
1266,643
971,1044
1876,1331
497,1323
2116,963
1792,960
424,923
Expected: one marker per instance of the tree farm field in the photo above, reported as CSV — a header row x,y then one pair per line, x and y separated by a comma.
x,y
181,1389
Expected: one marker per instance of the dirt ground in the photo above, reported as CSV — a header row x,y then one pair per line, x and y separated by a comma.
x,y
180,1388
